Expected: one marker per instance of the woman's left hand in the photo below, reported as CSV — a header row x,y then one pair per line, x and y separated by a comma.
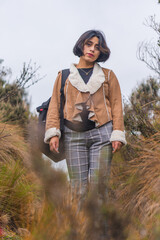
x,y
116,145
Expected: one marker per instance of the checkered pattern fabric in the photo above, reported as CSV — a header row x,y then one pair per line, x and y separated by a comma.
x,y
83,155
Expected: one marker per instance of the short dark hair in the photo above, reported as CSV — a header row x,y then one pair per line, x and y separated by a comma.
x,y
104,50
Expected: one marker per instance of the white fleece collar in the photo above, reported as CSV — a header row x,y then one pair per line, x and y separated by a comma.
x,y
94,83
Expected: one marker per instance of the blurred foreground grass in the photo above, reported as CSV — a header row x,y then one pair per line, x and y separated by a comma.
x,y
35,199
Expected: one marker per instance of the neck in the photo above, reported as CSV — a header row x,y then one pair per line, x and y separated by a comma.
x,y
84,64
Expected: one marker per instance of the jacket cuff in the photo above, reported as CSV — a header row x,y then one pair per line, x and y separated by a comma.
x,y
51,132
118,135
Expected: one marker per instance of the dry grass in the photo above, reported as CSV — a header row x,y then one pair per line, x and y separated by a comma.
x,y
136,186
20,192
131,211
62,219
141,191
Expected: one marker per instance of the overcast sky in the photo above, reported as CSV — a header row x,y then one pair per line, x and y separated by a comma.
x,y
45,31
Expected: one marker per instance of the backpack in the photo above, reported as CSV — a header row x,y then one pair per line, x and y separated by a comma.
x,y
42,110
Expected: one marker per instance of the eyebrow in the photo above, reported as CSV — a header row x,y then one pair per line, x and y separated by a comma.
x,y
89,41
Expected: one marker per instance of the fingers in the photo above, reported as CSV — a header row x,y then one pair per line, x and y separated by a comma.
x,y
54,144
54,147
116,145
113,147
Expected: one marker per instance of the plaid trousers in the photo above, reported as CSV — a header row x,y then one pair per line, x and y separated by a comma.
x,y
83,156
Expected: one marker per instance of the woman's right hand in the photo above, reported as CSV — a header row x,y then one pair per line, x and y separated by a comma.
x,y
54,144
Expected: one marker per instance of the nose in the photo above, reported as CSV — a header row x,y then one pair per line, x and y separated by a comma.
x,y
92,48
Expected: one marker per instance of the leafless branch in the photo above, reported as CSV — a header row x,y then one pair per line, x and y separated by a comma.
x,y
27,78
150,55
151,22
154,101
29,73
149,52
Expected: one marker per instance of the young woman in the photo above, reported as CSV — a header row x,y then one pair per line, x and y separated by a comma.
x,y
92,112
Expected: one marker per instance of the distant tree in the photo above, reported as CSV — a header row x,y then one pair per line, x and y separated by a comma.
x,y
146,94
143,107
14,107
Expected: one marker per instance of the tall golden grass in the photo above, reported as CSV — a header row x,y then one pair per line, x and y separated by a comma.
x,y
20,192
35,196
136,185
62,219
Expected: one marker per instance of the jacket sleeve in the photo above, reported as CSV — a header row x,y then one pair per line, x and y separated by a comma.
x,y
53,114
116,109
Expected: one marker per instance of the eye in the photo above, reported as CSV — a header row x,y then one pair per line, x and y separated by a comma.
x,y
88,44
97,47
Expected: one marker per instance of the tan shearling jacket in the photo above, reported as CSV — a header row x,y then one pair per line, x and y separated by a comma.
x,y
101,95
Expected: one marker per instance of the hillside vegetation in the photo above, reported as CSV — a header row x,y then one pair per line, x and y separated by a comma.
x,y
35,202
35,199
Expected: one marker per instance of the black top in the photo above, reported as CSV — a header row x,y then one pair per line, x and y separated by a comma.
x,y
86,124
85,73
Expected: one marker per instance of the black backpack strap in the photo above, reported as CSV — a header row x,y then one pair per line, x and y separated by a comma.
x,y
65,74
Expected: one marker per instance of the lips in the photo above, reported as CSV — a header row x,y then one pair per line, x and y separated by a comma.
x,y
90,54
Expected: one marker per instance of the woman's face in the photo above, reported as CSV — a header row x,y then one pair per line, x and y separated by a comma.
x,y
91,50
